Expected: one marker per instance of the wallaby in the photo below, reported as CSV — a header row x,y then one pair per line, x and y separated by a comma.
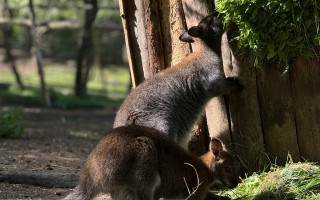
x,y
172,100
136,162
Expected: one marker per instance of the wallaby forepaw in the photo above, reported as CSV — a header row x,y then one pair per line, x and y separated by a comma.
x,y
235,83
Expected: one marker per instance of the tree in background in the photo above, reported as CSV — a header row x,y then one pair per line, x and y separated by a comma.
x,y
45,97
61,24
86,51
7,34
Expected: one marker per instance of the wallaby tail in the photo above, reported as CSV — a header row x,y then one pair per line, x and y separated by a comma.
x,y
43,180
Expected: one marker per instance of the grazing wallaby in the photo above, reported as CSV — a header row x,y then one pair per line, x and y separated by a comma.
x,y
172,100
136,162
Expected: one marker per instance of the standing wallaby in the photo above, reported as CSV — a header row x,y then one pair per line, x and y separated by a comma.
x,y
172,100
140,163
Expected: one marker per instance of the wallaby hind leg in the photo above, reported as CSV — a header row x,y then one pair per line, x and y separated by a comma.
x,y
124,193
79,194
147,176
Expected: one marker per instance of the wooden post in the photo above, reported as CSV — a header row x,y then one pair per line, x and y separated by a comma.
x,y
277,113
305,82
243,109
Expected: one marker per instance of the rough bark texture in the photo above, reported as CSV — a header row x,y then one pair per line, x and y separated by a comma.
x,y
154,44
305,82
172,26
131,50
277,113
152,30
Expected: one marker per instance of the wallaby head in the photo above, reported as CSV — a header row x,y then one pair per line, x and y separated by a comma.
x,y
224,166
208,30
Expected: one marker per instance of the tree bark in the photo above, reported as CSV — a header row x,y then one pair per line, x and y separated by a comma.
x,y
86,55
44,92
277,118
7,34
152,39
305,81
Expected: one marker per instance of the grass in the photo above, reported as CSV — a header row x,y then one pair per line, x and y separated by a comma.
x,y
294,181
106,86
11,125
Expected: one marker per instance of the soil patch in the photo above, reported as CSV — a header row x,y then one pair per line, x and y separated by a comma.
x,y
54,142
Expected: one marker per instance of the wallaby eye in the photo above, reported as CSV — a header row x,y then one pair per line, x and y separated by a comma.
x,y
228,169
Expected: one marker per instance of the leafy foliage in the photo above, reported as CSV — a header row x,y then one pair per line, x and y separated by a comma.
x,y
275,30
11,125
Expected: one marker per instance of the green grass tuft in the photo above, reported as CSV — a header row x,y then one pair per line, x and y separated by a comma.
x,y
11,125
294,181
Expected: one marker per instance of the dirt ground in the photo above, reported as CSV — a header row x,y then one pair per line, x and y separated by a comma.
x,y
54,141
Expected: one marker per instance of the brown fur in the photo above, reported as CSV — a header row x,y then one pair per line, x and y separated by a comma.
x,y
137,162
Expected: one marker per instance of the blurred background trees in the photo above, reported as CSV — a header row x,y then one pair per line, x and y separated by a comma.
x,y
82,37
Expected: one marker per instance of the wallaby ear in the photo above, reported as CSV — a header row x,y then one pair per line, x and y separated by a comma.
x,y
216,147
196,31
186,38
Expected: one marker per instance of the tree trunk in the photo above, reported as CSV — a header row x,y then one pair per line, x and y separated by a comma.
x,y
7,34
151,39
36,51
86,51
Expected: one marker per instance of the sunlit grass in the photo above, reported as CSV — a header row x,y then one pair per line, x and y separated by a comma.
x,y
106,85
294,181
